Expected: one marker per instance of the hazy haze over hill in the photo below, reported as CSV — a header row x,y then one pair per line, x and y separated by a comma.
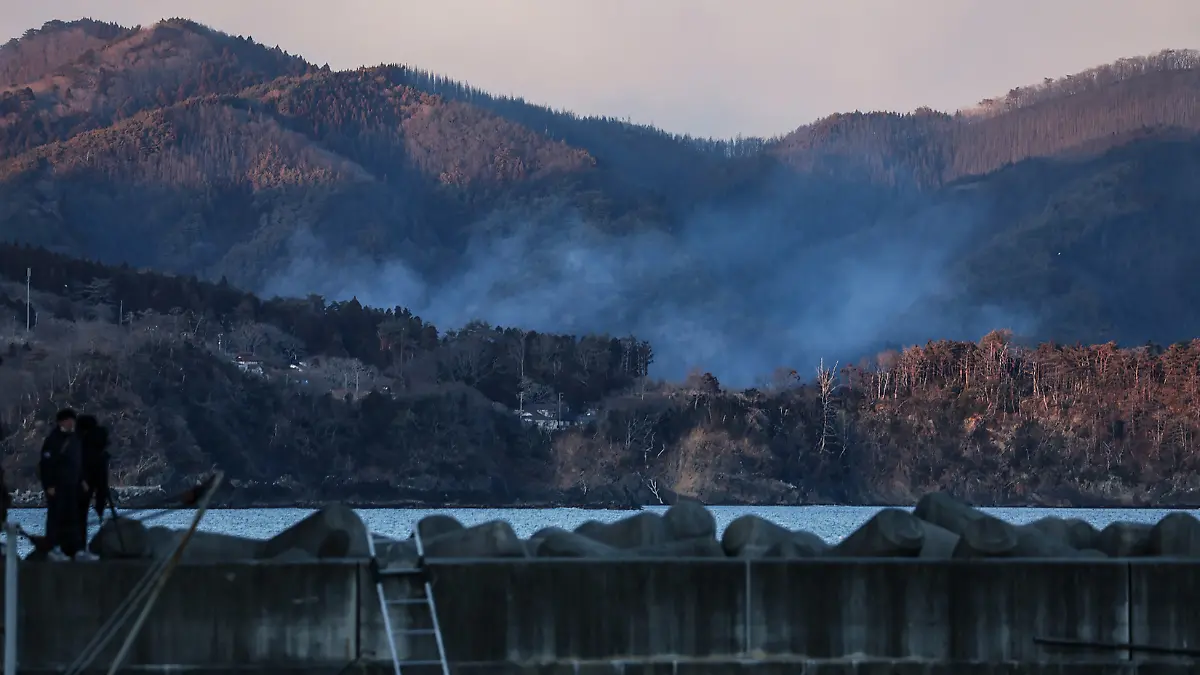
x,y
776,64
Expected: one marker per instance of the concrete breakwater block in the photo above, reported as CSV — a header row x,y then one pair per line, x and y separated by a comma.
x,y
554,542
941,527
750,536
120,538
990,537
697,547
208,547
1076,533
939,542
889,533
946,512
125,538
1177,535
335,531
395,554
689,519
644,529
493,539
437,524
1125,540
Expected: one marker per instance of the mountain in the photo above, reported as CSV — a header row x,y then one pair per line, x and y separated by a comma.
x,y
157,170
41,51
134,70
180,148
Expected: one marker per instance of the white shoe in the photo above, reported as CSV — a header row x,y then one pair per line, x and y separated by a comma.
x,y
85,556
57,555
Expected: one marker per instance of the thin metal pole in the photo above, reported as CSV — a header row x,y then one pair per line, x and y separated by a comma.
x,y
166,574
28,276
10,598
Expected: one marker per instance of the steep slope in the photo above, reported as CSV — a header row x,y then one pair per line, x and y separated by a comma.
x,y
219,186
155,66
1097,248
182,188
395,130
637,157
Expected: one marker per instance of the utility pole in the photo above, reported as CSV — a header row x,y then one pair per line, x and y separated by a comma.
x,y
28,276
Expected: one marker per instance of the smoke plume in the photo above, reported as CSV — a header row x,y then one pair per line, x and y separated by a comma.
x,y
739,292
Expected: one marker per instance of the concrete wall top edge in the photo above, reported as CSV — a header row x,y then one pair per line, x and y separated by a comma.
x,y
144,563
815,562
741,562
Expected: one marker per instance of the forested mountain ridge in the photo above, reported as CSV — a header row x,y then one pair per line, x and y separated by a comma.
x,y
1094,110
42,50
138,69
1063,212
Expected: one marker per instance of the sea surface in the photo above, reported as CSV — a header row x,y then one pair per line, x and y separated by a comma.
x,y
830,522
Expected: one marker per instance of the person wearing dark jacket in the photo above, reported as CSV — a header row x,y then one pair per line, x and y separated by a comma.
x,y
61,471
93,442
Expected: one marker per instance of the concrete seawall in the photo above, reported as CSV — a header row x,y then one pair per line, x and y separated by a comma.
x,y
684,615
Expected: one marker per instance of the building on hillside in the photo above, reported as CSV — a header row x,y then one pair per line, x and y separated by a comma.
x,y
249,363
552,416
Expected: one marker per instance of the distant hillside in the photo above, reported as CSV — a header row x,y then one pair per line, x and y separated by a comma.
x,y
132,71
304,401
1096,110
180,148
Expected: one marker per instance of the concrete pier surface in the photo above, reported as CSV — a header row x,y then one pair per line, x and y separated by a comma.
x,y
942,590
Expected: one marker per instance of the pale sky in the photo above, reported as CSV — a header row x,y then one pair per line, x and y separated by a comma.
x,y
709,68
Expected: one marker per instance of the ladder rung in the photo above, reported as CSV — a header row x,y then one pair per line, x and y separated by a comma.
x,y
410,601
402,572
419,663
416,631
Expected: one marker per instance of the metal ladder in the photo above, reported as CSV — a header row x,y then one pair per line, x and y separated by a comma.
x,y
386,605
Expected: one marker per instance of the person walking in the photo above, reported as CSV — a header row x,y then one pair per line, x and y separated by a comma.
x,y
61,472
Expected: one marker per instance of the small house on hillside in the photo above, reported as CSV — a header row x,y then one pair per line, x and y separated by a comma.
x,y
548,416
248,363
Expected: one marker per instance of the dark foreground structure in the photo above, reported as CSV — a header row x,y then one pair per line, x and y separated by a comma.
x,y
655,616
650,594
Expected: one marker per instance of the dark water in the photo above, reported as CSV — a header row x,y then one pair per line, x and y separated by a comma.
x,y
830,522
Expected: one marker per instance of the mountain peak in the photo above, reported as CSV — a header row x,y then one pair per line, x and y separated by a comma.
x,y
40,51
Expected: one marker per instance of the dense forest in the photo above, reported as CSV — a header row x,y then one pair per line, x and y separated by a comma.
x,y
342,401
165,183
